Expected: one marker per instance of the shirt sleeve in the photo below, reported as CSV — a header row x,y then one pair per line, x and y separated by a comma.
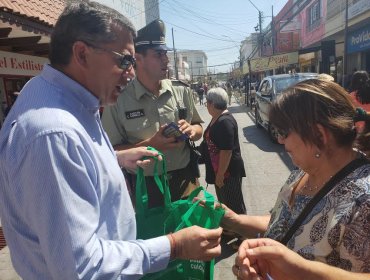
x,y
61,202
112,125
223,134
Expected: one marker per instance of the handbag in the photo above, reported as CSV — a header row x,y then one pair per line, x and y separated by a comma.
x,y
324,191
202,150
195,155
171,217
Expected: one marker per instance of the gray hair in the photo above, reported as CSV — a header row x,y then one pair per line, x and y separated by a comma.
x,y
85,21
218,97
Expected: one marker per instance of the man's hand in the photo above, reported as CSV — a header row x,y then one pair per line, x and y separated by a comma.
x,y
130,159
163,143
196,243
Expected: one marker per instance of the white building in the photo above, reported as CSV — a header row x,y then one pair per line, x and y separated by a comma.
x,y
140,12
191,64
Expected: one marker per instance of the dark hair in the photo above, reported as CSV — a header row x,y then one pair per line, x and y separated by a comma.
x,y
311,102
361,84
85,21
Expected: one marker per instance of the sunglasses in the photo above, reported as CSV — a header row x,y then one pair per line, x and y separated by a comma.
x,y
282,133
125,61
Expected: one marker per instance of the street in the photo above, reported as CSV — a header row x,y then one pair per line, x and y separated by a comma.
x,y
267,167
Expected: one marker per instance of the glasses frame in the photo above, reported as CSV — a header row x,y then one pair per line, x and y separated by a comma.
x,y
282,133
126,61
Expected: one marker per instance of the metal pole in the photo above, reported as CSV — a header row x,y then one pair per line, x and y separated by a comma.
x,y
272,31
344,75
191,69
260,24
175,56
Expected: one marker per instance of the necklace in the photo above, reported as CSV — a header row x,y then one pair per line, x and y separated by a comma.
x,y
313,188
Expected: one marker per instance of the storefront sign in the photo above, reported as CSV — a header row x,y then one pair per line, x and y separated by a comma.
x,y
271,62
20,65
359,40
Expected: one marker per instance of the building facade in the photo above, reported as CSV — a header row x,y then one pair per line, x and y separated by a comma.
x,y
191,65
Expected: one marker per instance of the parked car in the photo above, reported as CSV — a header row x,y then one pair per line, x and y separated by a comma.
x,y
269,89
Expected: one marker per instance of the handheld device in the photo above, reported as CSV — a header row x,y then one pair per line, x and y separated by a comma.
x,y
172,130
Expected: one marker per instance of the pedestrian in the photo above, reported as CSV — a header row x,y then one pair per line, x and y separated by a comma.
x,y
200,92
223,160
205,87
315,122
229,90
360,90
360,93
146,105
64,204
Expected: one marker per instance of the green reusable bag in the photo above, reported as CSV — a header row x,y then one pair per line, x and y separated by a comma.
x,y
186,213
149,221
171,217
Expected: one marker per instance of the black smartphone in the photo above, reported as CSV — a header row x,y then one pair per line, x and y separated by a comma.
x,y
172,130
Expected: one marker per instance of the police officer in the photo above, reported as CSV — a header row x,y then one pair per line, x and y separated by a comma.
x,y
147,105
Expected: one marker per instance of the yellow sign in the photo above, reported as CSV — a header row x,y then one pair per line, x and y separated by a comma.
x,y
271,62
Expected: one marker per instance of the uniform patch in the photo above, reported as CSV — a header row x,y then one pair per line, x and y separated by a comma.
x,y
135,114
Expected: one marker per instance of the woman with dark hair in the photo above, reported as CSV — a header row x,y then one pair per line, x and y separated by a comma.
x,y
360,86
322,211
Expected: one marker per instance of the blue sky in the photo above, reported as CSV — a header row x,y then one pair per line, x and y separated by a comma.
x,y
214,26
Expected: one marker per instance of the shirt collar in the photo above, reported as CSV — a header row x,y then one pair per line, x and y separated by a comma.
x,y
71,88
140,90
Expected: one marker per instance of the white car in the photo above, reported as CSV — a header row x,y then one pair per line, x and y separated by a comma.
x,y
269,89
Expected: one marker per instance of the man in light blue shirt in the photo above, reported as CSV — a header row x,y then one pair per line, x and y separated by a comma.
x,y
64,205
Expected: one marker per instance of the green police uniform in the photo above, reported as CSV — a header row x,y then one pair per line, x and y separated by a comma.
x,y
138,114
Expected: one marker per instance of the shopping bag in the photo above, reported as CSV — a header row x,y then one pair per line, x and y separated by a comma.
x,y
149,221
186,213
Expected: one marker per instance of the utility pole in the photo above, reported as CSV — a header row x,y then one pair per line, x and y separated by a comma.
x,y
272,31
344,75
175,56
260,24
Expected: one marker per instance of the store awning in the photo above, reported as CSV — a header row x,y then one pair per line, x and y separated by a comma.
x,y
26,25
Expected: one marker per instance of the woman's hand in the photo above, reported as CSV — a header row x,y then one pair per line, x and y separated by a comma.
x,y
258,258
219,181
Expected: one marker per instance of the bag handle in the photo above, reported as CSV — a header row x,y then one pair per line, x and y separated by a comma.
x,y
160,180
324,191
209,202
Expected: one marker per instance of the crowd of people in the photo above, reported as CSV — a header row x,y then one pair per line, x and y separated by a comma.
x,y
66,206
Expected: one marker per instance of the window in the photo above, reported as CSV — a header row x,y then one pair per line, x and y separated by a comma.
x,y
314,15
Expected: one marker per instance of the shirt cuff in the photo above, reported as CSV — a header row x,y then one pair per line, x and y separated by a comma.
x,y
160,251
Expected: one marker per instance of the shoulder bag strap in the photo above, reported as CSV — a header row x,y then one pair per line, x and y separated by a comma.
x,y
324,191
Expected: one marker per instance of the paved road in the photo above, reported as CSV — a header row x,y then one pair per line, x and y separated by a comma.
x,y
267,166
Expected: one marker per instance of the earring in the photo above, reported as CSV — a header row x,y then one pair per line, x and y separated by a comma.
x,y
317,155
